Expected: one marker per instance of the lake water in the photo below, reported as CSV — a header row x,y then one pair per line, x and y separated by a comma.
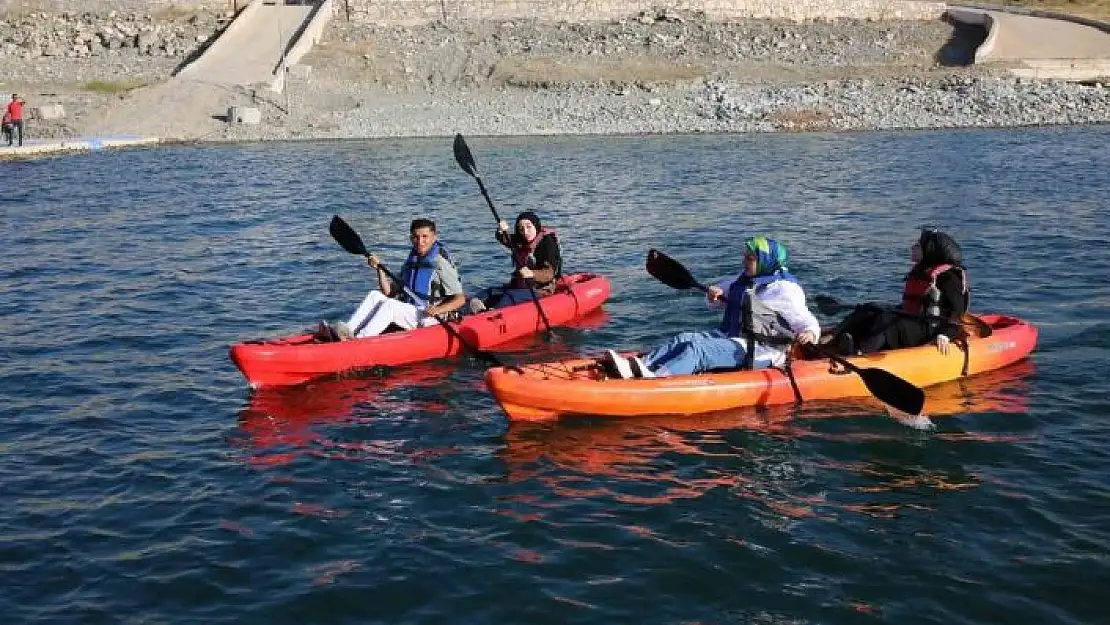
x,y
143,483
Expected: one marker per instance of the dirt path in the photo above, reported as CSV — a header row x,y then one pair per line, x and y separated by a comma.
x,y
177,109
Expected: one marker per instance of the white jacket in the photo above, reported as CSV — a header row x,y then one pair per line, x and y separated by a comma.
x,y
787,299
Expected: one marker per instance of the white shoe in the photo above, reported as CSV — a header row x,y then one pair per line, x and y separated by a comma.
x,y
624,370
477,306
343,331
640,369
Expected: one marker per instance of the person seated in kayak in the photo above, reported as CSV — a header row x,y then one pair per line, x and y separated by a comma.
x,y
936,292
764,312
429,287
536,257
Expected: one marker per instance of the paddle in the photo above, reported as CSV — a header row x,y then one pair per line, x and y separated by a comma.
x,y
884,385
830,306
349,240
466,161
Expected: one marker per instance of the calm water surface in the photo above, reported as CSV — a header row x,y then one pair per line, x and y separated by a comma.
x,y
143,483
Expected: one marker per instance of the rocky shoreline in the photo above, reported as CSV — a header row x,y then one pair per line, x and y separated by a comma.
x,y
663,72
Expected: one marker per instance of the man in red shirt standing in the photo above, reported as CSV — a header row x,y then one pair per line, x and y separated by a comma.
x,y
15,118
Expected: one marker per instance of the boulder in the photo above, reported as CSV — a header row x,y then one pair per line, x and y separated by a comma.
x,y
48,111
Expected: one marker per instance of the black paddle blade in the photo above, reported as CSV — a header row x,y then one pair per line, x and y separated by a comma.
x,y
669,271
893,390
347,238
463,156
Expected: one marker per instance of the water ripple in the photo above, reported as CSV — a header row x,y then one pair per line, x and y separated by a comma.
x,y
145,483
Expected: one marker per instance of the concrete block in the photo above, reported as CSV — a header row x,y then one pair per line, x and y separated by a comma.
x,y
244,115
300,72
49,111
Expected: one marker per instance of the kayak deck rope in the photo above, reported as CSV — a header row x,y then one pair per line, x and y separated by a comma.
x,y
788,369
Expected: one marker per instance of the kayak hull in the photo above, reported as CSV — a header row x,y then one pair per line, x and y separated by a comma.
x,y
298,358
581,387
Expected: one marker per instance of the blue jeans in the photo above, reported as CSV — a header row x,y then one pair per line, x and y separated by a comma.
x,y
697,352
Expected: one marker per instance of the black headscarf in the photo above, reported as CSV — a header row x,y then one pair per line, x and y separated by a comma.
x,y
937,248
530,216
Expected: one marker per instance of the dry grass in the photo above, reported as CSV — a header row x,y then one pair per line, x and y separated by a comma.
x,y
178,11
800,120
1098,9
342,49
113,87
548,72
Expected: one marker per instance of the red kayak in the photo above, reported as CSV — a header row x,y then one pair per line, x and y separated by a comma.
x,y
295,359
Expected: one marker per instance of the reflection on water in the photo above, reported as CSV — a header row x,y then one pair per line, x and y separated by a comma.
x,y
752,452
281,424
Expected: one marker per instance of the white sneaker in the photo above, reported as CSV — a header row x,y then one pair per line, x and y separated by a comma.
x,y
477,306
640,369
343,331
624,370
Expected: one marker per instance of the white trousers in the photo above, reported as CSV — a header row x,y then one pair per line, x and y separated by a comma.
x,y
378,311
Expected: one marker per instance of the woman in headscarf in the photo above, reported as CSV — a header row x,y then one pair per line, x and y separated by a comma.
x,y
536,258
936,294
764,312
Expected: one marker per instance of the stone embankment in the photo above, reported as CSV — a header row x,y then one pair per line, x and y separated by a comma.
x,y
660,72
86,35
651,71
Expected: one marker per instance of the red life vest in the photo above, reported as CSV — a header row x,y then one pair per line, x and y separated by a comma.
x,y
921,294
523,256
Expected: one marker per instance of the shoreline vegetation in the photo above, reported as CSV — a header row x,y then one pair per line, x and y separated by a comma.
x,y
661,72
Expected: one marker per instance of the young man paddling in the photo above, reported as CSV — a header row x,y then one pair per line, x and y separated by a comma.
x,y
429,287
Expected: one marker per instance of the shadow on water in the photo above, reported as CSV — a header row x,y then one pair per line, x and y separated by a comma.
x,y
959,50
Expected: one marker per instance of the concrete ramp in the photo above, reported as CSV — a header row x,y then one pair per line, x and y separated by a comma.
x,y
254,47
253,52
1036,44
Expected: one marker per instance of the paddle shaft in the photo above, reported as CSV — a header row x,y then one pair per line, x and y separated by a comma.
x,y
465,160
489,201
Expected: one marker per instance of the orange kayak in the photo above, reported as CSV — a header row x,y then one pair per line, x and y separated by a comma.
x,y
582,387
